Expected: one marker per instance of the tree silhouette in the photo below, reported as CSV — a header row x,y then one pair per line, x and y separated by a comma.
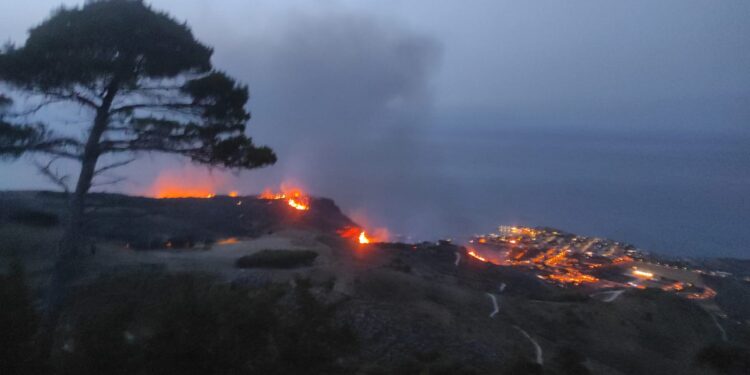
x,y
146,84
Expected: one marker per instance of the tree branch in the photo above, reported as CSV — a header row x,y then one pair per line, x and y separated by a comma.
x,y
130,107
113,166
35,108
46,170
115,180
73,95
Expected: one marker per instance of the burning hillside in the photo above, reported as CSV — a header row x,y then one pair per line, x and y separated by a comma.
x,y
188,183
295,198
358,234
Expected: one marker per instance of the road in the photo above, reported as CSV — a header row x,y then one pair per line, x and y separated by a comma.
x,y
537,348
721,329
495,307
610,296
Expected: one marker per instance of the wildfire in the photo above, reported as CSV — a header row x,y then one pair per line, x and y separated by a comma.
x,y
184,193
294,198
363,238
300,206
474,254
187,183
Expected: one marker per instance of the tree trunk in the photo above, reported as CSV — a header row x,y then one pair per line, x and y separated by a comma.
x,y
67,265
72,238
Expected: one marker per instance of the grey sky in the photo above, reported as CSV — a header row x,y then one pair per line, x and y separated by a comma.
x,y
361,98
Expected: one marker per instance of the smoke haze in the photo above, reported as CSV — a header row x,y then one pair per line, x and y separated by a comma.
x,y
620,119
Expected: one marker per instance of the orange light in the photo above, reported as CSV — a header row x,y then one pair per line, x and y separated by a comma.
x,y
349,232
170,193
363,238
294,198
298,205
270,195
643,274
185,183
573,277
477,256
233,194
228,241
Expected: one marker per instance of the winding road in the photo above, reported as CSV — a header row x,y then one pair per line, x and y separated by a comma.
x,y
721,329
496,308
537,348
611,295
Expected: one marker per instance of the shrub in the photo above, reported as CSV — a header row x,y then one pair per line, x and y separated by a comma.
x,y
277,259
189,324
35,218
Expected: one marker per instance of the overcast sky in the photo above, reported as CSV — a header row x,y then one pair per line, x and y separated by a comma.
x,y
346,91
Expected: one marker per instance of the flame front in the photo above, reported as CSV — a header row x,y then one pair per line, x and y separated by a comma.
x,y
297,205
294,198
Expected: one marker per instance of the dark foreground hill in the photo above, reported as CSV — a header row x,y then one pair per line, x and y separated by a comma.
x,y
290,296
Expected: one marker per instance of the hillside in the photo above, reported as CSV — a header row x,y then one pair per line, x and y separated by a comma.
x,y
411,308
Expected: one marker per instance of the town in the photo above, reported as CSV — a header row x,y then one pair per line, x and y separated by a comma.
x,y
570,260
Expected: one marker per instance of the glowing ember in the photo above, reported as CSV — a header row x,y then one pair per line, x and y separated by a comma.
x,y
363,238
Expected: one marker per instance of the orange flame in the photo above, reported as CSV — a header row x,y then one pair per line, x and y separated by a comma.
x,y
474,254
187,182
363,238
349,232
295,198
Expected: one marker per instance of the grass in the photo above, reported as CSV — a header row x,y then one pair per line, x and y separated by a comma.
x,y
277,259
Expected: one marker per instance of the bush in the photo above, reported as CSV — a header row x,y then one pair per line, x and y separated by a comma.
x,y
188,324
277,259
35,218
